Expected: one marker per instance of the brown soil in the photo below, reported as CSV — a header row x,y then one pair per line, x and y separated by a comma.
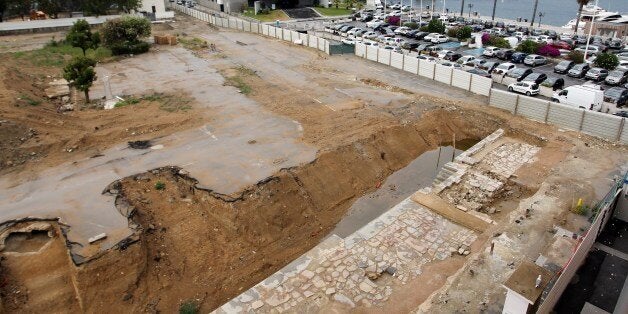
x,y
33,135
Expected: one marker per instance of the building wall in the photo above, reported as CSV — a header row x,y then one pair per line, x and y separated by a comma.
x,y
160,8
608,29
230,6
515,303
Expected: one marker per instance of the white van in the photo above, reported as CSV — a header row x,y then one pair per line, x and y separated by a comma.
x,y
580,96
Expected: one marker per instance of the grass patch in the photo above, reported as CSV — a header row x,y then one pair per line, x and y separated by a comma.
x,y
237,80
30,101
160,186
168,103
56,54
333,11
193,43
270,17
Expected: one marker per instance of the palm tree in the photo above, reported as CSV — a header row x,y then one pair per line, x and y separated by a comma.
x,y
582,3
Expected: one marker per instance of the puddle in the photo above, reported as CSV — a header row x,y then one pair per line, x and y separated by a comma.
x,y
397,187
23,242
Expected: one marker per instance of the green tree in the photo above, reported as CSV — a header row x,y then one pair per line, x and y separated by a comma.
x,y
436,26
20,7
51,7
498,42
412,25
82,37
124,35
96,7
3,8
464,33
80,73
528,46
576,56
607,61
581,3
128,5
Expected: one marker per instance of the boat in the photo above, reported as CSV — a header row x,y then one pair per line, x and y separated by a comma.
x,y
589,12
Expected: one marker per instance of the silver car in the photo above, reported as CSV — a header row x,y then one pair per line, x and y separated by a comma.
x,y
534,60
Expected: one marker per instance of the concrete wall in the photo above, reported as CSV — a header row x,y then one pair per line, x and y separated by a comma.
x,y
383,56
503,100
396,60
443,74
411,64
426,69
533,108
461,79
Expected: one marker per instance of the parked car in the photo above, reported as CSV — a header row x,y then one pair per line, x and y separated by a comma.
x,y
564,66
348,41
597,74
528,88
490,51
439,39
519,73
504,54
534,60
433,50
479,72
518,57
465,59
452,56
453,65
617,77
504,68
429,36
562,45
535,77
427,58
580,96
554,82
592,50
488,66
579,70
616,95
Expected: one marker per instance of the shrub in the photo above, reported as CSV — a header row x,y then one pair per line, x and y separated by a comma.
x,y
576,56
547,50
485,38
411,25
423,28
130,48
607,61
82,37
436,26
188,307
528,46
464,33
393,20
80,73
160,186
453,32
498,42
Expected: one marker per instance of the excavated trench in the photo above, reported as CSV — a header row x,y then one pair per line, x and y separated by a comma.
x,y
206,248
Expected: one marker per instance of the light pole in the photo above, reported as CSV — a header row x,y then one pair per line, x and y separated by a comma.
x,y
536,3
541,15
494,6
470,7
462,8
586,49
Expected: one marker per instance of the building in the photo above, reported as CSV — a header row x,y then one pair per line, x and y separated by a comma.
x,y
155,9
617,28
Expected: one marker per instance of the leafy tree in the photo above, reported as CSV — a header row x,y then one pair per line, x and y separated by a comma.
x,y
82,37
20,7
576,56
464,33
96,7
607,61
124,35
528,46
436,26
498,42
412,25
128,5
3,8
51,7
80,73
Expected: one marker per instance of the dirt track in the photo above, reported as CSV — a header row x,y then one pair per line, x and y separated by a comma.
x,y
196,246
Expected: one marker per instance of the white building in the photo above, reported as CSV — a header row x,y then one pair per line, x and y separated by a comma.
x,y
156,7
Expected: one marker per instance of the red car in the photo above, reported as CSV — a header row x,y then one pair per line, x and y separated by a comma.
x,y
562,45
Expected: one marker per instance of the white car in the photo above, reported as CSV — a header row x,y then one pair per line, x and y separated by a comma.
x,y
348,41
429,36
439,39
465,59
370,35
441,54
353,31
490,51
566,36
394,49
592,49
396,6
545,38
528,88
504,68
452,65
402,30
374,24
623,65
406,8
623,56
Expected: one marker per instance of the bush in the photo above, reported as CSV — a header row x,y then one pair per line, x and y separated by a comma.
x,y
411,25
160,186
485,38
547,50
607,61
498,42
528,46
130,48
436,26
423,28
453,32
188,307
576,56
393,20
464,33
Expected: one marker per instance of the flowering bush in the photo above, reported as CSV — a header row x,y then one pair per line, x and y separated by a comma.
x,y
393,20
485,38
547,50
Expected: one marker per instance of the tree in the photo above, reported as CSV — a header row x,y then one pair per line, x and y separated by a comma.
x,y
124,35
528,46
436,26
498,42
51,7
82,37
576,56
581,3
96,7
3,8
464,33
128,5
606,60
80,73
20,7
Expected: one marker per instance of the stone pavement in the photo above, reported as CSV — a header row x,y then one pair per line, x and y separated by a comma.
x,y
362,270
